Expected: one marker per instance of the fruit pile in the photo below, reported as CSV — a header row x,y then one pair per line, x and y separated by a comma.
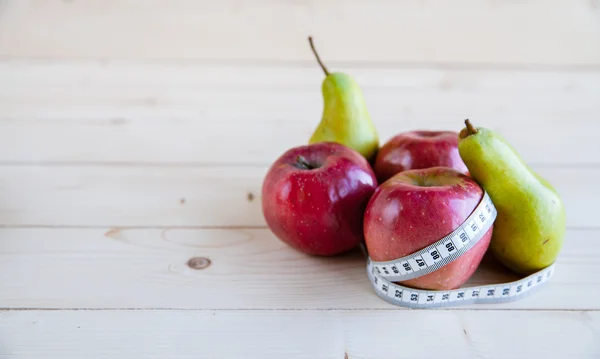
x,y
342,190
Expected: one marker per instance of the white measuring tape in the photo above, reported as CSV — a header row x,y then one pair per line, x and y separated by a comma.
x,y
446,250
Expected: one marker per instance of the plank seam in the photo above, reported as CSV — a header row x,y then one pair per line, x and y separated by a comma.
x,y
232,165
158,309
269,63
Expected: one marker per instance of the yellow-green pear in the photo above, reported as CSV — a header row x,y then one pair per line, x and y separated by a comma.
x,y
345,118
531,223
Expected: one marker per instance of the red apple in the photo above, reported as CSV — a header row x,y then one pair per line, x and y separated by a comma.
x,y
314,197
418,149
416,208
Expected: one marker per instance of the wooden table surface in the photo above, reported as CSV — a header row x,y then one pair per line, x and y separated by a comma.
x,y
135,135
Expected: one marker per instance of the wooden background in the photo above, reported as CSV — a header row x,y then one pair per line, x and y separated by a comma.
x,y
134,136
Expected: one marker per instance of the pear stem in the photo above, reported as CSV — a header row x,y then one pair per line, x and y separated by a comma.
x,y
303,163
470,129
312,46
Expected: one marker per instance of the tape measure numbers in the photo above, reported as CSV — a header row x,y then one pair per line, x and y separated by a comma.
x,y
438,254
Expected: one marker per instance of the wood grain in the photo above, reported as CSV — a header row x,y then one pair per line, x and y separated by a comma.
x,y
134,137
74,112
557,32
233,269
306,334
158,196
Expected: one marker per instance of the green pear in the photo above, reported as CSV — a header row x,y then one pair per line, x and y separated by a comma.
x,y
530,227
345,118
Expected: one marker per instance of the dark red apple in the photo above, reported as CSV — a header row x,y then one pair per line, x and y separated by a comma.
x,y
416,208
314,197
418,149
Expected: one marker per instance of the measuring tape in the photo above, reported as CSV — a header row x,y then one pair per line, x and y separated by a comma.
x,y
446,250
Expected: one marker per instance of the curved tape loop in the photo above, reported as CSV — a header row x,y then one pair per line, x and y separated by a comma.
x,y
382,274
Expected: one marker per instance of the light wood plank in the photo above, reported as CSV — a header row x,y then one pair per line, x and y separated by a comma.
x,y
188,196
306,334
556,32
131,196
125,113
249,269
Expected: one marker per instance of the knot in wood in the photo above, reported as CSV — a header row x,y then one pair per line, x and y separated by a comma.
x,y
198,263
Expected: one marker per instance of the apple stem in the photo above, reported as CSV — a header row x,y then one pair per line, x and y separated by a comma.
x,y
303,163
312,46
470,129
